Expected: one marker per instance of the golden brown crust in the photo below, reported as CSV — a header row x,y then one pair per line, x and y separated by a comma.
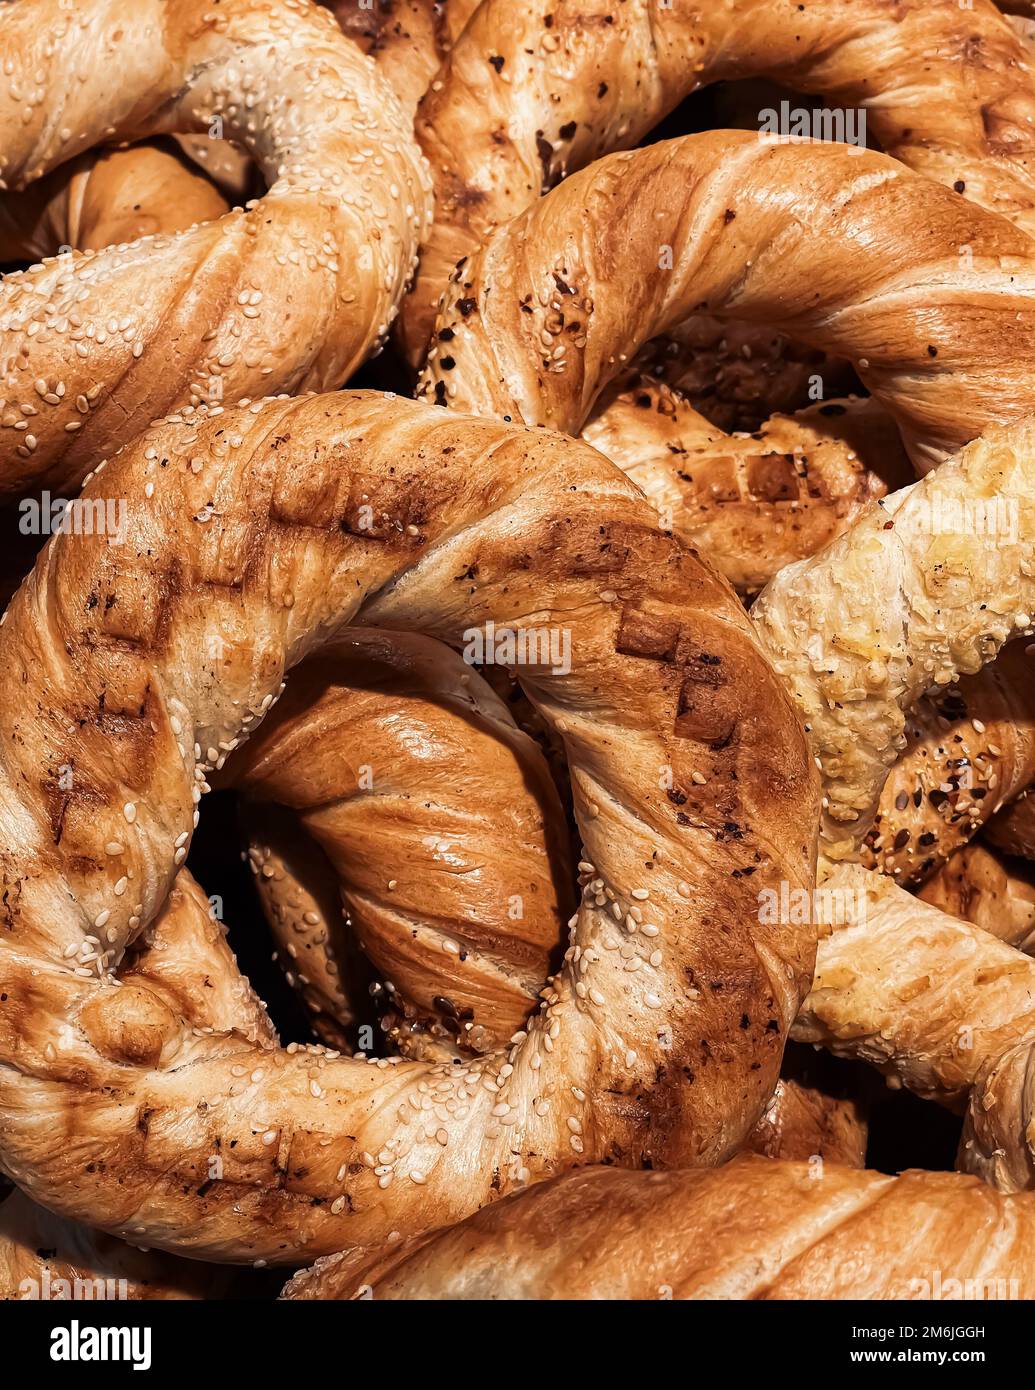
x,y
927,998
184,960
252,535
1013,829
534,92
531,326
288,294
996,894
320,957
927,585
939,1005
44,1257
752,503
803,1122
441,824
409,39
970,748
753,1229
102,198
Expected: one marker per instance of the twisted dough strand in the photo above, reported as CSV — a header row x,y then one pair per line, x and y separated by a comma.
x,y
533,93
289,293
812,235
184,958
942,1006
42,1255
441,828
753,1229
904,602
693,789
408,38
970,750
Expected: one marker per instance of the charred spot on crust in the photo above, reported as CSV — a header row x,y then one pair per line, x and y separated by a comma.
x,y
643,635
706,708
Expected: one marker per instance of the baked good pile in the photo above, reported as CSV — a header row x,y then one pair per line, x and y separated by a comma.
x,y
563,475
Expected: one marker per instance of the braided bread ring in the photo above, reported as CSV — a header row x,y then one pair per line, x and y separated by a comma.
x,y
265,299
532,93
754,1229
299,517
805,233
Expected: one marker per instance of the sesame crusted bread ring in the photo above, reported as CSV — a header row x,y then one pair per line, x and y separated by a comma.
x,y
292,292
252,537
534,92
970,751
753,1229
905,602
847,250
423,814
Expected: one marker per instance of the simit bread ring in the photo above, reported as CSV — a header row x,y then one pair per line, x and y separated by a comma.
x,y
292,292
808,233
253,535
535,92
